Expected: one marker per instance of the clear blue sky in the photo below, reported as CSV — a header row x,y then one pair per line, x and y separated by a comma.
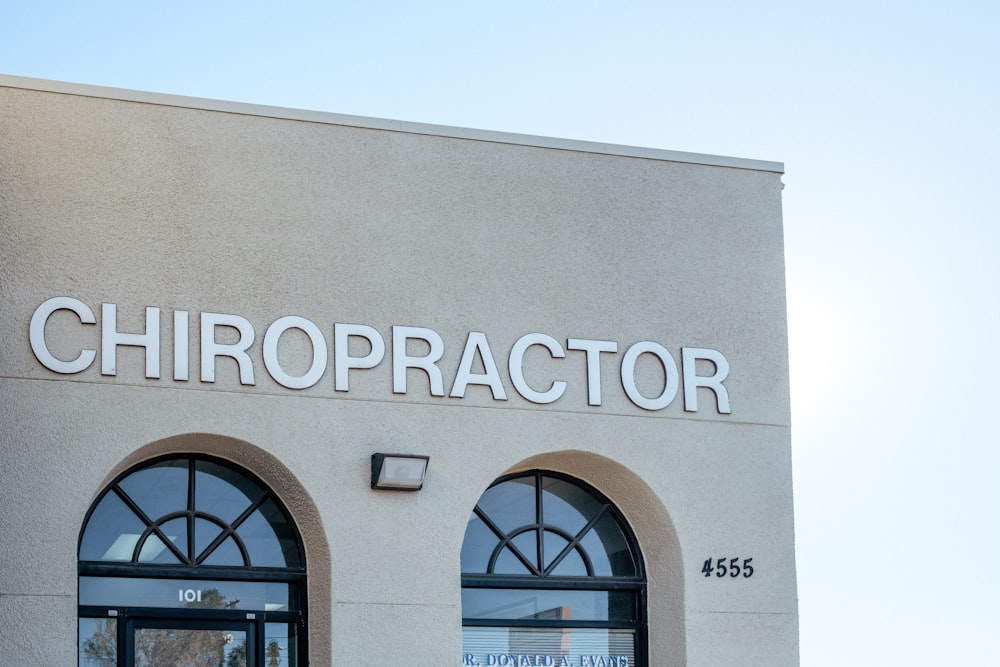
x,y
886,116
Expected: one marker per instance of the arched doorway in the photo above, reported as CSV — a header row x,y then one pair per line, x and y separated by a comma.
x,y
191,557
551,575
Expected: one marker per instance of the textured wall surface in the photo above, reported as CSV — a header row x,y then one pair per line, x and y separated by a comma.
x,y
188,205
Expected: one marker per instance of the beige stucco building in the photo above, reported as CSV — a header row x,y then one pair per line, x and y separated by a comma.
x,y
214,314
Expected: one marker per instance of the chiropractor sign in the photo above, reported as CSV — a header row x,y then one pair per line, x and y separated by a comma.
x,y
407,348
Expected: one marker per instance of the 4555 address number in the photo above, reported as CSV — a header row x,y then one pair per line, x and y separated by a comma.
x,y
730,566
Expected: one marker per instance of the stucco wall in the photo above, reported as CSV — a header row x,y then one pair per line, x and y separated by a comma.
x,y
204,207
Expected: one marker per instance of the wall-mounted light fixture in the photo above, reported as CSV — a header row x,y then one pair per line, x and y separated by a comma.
x,y
400,472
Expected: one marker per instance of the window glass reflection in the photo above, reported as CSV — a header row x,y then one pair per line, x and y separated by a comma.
x,y
159,647
112,531
510,505
567,505
186,594
223,491
98,642
572,564
154,550
609,550
176,532
550,605
527,544
159,489
280,645
509,563
477,546
225,554
204,532
268,538
549,646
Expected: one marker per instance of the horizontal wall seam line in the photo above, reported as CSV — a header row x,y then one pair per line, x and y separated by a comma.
x,y
396,604
448,405
744,613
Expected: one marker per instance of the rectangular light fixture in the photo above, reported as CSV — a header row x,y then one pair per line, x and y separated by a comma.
x,y
400,472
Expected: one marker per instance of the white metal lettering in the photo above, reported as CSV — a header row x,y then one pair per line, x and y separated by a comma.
x,y
36,334
111,338
273,365
238,350
413,348
476,342
670,383
515,364
401,359
343,361
593,348
181,363
689,360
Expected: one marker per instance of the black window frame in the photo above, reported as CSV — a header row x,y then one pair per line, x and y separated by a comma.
x,y
636,584
127,616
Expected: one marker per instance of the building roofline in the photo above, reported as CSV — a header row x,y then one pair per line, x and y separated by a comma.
x,y
242,108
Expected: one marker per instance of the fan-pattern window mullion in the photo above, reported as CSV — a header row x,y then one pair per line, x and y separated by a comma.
x,y
191,532
571,547
540,528
574,544
507,544
537,562
154,531
504,542
226,531
151,528
220,508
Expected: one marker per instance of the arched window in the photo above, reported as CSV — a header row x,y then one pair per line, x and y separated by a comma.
x,y
190,560
551,575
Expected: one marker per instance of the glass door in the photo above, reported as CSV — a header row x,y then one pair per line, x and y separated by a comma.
x,y
201,643
169,641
